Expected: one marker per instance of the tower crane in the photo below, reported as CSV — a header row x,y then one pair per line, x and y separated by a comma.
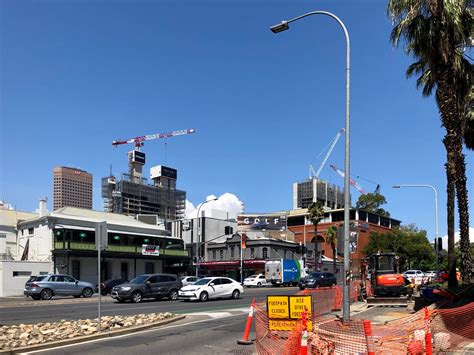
x,y
333,144
136,158
351,181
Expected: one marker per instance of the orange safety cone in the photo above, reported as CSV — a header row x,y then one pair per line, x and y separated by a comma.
x,y
245,340
368,336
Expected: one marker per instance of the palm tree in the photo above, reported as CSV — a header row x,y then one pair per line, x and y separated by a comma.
x,y
433,32
331,238
315,213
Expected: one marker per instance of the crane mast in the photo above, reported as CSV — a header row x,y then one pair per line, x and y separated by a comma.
x,y
333,144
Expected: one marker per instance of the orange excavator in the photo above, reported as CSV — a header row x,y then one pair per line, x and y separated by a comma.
x,y
387,285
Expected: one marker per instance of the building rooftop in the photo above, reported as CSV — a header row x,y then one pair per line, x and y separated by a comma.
x,y
12,217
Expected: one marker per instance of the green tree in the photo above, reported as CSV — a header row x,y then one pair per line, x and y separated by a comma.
x,y
372,202
331,238
410,244
434,31
315,213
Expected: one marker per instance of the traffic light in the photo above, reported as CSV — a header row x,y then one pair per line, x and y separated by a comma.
x,y
440,244
302,249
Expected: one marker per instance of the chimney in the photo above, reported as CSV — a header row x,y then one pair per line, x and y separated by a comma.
x,y
42,211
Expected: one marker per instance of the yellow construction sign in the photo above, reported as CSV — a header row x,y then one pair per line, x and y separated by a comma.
x,y
285,311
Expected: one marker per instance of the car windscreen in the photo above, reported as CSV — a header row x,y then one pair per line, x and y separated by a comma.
x,y
39,278
139,279
202,282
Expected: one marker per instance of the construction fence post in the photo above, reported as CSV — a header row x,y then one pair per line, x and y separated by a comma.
x,y
428,344
304,334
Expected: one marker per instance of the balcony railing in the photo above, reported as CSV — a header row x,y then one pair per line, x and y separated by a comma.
x,y
134,249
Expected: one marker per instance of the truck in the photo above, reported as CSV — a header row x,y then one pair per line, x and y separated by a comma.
x,y
286,272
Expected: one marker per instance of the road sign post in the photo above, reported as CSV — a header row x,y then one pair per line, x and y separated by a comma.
x,y
101,242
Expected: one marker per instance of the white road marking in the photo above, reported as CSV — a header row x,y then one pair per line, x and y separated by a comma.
x,y
216,347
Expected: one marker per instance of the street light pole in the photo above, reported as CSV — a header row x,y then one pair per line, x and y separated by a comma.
x,y
199,234
436,214
283,26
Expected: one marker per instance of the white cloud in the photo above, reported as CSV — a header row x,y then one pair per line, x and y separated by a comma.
x,y
456,237
227,202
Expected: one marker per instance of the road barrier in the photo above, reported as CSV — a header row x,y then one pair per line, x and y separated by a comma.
x,y
426,331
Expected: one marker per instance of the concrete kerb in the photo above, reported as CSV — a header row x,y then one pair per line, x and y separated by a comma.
x,y
80,339
21,302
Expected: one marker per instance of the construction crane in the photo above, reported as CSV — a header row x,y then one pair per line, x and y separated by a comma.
x,y
351,181
138,141
136,158
333,144
377,186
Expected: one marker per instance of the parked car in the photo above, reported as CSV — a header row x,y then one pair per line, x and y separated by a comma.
x,y
256,281
417,275
106,286
148,286
188,280
211,287
46,286
317,279
430,275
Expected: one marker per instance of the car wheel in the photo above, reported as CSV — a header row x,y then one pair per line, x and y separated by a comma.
x,y
259,284
35,297
136,297
103,293
173,295
317,285
46,294
204,296
236,294
87,292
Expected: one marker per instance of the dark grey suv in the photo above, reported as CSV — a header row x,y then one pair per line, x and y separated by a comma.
x,y
148,286
317,279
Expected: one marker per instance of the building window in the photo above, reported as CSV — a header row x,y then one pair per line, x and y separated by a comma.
x,y
265,253
149,268
30,231
214,254
221,254
21,273
252,253
232,252
284,254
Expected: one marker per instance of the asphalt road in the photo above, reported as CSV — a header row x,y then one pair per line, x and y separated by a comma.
x,y
38,312
190,336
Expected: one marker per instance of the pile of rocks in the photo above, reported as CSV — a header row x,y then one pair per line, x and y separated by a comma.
x,y
14,336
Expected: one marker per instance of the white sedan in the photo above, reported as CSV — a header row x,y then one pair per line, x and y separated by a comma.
x,y
211,287
256,281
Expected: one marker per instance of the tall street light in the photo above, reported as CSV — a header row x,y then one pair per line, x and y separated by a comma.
x,y
436,213
199,234
283,26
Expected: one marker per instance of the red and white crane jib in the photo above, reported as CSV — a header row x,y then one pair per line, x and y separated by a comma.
x,y
351,181
138,141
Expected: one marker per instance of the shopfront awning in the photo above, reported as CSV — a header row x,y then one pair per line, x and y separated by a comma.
x,y
231,264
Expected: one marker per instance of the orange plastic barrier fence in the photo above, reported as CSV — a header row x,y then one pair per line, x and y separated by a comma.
x,y
450,330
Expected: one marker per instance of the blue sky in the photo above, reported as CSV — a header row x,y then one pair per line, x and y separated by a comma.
x,y
75,75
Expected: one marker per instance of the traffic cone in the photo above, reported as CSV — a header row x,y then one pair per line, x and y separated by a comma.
x,y
245,340
428,345
368,337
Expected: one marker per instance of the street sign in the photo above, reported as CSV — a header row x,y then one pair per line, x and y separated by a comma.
x,y
278,307
101,240
285,311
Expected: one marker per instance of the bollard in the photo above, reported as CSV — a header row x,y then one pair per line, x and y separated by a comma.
x,y
304,334
428,344
245,340
368,337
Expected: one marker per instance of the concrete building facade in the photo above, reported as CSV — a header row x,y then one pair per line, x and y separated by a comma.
x,y
71,188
